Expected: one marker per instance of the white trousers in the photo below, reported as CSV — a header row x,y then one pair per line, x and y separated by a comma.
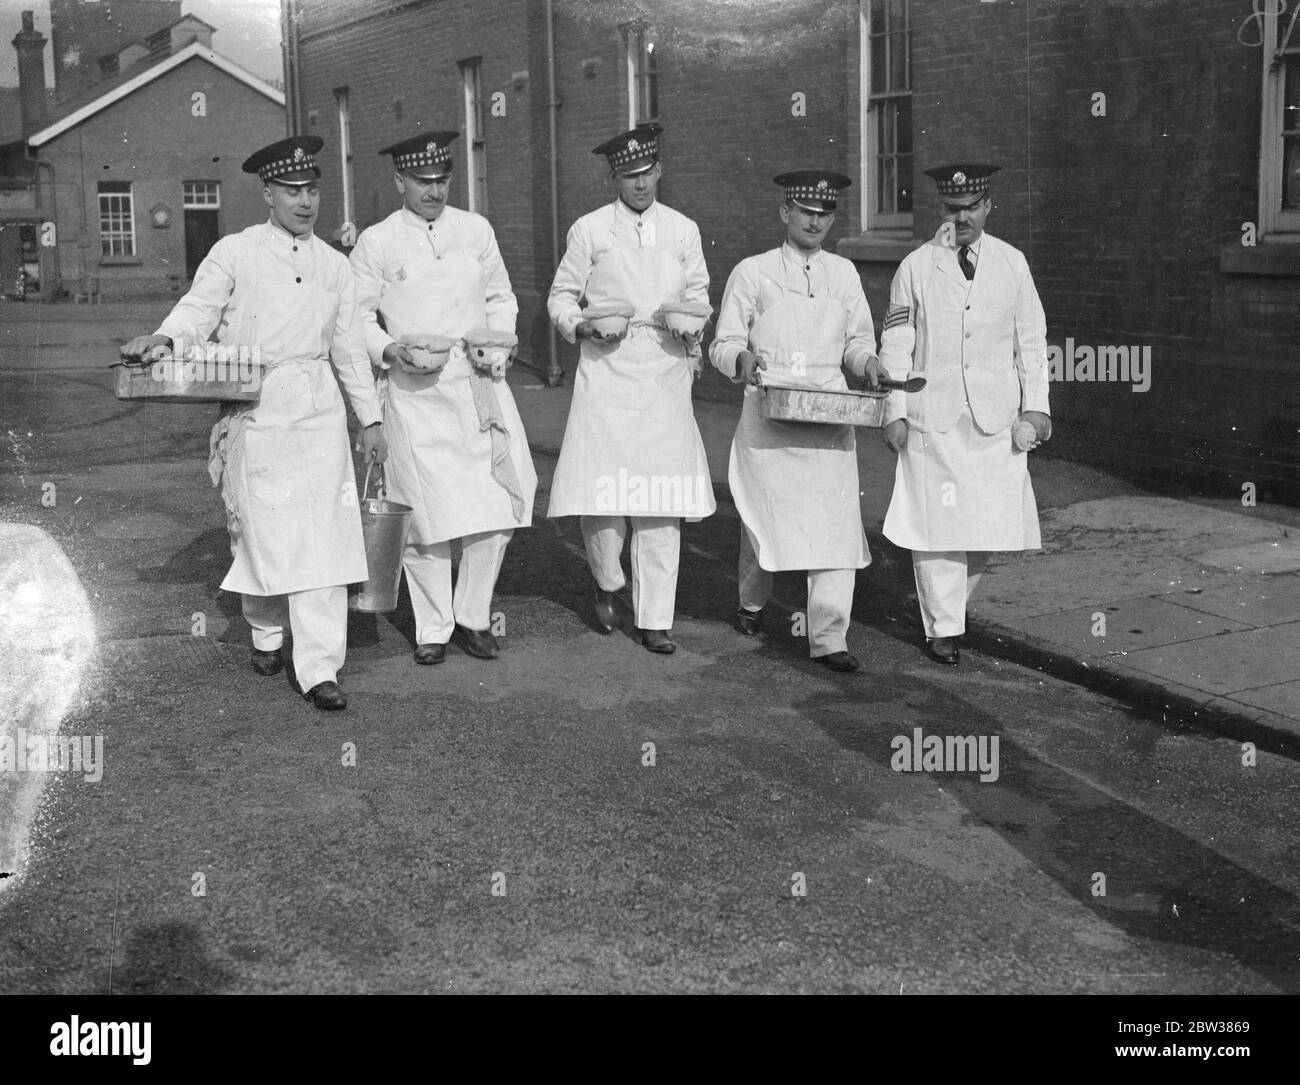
x,y
945,581
428,578
318,621
830,598
656,550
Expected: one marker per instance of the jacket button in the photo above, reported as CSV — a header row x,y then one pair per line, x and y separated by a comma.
x,y
298,280
968,308
968,335
295,249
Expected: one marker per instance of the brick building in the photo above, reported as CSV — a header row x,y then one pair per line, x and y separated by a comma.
x,y
118,191
1141,143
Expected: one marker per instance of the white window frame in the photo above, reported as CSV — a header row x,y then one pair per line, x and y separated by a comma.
x,y
118,239
898,222
1281,44
471,82
195,195
342,97
642,75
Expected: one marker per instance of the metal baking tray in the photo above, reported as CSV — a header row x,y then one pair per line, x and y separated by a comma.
x,y
139,382
784,404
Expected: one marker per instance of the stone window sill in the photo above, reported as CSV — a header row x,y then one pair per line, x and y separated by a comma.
x,y
1266,258
876,249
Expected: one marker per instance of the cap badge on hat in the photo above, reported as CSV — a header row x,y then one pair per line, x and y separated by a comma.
x,y
423,153
968,179
816,190
286,161
632,144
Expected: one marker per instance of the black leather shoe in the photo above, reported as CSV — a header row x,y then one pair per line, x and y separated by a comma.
x,y
606,617
327,696
838,661
428,654
657,640
268,663
943,650
749,622
480,645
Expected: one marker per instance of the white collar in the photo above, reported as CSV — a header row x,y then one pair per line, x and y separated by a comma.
x,y
279,231
412,219
649,212
789,252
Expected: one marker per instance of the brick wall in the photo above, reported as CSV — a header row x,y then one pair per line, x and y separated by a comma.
x,y
1123,217
151,139
399,62
727,112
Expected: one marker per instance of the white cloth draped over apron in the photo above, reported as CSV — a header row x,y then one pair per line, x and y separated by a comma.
x,y
631,445
795,484
440,455
283,463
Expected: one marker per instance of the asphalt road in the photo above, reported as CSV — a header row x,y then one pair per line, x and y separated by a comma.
x,y
501,829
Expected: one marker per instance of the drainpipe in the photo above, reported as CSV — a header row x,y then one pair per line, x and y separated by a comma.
x,y
50,282
554,371
289,50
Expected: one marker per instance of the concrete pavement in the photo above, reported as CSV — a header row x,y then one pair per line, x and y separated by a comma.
x,y
1189,609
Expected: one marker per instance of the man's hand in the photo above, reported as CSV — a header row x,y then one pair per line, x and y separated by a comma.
x,y
872,373
373,445
146,349
895,435
748,365
1042,424
584,330
397,354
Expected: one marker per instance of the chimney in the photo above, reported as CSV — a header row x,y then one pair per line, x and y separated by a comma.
x,y
30,44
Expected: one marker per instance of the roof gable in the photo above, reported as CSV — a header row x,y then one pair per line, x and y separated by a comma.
x,y
135,82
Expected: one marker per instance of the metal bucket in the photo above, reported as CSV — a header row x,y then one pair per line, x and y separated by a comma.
x,y
383,524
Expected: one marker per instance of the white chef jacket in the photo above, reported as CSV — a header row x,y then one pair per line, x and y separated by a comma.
x,y
759,281
617,225
283,463
403,237
271,255
981,342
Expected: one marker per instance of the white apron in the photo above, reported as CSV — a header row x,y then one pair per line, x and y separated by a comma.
x,y
795,484
631,446
439,460
961,489
291,483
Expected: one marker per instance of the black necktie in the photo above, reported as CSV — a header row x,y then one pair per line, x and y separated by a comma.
x,y
963,258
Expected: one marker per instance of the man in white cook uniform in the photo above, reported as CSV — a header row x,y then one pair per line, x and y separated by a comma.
x,y
283,463
631,446
460,457
798,315
964,314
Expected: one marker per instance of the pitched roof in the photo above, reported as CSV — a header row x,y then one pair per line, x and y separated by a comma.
x,y
103,95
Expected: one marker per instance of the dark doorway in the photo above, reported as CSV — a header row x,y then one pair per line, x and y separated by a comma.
x,y
201,234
